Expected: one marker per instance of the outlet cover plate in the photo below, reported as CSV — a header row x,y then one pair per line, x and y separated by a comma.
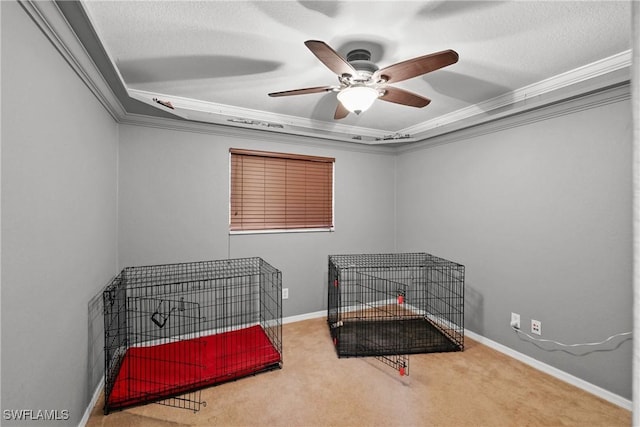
x,y
536,327
515,320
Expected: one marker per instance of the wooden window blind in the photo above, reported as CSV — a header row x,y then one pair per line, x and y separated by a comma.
x,y
278,191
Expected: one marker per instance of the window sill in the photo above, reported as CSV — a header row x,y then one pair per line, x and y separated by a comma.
x,y
281,231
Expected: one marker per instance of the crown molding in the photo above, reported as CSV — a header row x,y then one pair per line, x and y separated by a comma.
x,y
597,76
48,17
190,105
617,93
221,114
228,131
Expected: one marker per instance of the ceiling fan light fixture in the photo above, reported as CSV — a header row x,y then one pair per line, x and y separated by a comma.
x,y
357,98
362,82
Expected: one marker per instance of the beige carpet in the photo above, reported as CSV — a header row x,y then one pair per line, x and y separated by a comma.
x,y
477,387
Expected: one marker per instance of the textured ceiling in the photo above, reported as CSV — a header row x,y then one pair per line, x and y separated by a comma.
x,y
217,60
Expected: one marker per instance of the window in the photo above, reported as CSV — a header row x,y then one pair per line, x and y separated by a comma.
x,y
277,191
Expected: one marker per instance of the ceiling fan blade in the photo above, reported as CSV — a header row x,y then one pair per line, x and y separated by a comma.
x,y
330,58
417,66
316,89
404,97
341,112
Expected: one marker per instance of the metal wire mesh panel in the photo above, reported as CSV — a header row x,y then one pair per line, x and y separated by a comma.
x,y
173,329
162,329
393,304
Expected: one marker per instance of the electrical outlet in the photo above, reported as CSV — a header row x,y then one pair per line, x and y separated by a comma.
x,y
536,327
285,293
515,320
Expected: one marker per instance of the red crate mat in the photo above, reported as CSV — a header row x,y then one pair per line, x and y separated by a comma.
x,y
160,371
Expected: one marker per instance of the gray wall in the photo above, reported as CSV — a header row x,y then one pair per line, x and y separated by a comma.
x,y
174,207
59,195
540,214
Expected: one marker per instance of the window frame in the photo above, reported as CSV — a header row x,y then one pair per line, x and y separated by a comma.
x,y
281,156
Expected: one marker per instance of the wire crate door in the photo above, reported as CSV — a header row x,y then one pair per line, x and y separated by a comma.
x,y
382,298
399,362
167,363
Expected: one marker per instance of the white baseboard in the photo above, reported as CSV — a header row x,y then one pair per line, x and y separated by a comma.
x,y
87,412
548,369
307,316
555,372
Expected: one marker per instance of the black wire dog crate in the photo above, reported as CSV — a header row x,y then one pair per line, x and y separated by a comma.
x,y
395,304
171,330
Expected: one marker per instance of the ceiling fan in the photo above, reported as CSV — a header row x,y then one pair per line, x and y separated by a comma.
x,y
362,82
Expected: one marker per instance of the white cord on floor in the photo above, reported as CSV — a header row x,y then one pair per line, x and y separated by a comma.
x,y
571,345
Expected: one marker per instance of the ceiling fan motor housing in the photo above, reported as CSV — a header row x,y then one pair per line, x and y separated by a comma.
x,y
360,59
